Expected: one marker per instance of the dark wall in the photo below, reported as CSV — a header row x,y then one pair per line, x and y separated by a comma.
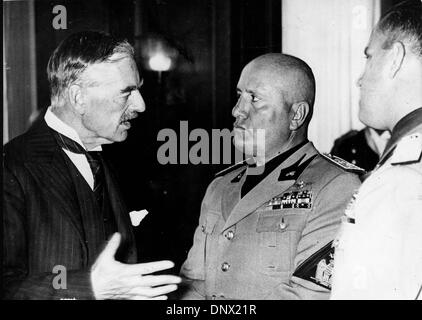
x,y
213,39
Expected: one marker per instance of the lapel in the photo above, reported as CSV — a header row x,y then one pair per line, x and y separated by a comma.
x,y
49,167
231,192
268,188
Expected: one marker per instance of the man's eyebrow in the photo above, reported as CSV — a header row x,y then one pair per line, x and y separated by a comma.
x,y
131,88
366,51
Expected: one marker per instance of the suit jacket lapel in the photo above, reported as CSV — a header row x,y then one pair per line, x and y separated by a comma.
x,y
269,187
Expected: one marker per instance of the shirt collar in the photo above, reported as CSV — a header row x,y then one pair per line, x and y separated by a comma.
x,y
56,124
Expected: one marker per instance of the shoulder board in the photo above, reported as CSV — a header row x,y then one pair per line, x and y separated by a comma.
x,y
230,169
408,150
339,162
318,268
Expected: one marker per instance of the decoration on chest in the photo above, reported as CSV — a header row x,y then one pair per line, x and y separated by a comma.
x,y
292,200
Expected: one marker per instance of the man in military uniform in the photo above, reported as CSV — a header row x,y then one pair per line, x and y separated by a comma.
x,y
379,249
263,236
362,148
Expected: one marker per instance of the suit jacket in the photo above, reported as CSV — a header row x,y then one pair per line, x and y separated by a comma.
x,y
249,248
51,218
379,248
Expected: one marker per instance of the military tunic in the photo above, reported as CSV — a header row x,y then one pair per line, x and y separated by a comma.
x,y
378,253
250,247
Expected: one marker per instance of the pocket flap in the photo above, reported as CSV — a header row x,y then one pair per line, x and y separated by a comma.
x,y
210,222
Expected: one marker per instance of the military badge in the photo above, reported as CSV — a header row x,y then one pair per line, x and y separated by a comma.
x,y
292,200
318,268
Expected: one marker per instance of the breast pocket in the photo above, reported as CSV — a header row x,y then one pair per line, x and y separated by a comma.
x,y
195,265
278,234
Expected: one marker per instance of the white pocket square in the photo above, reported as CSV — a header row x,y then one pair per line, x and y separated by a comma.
x,y
137,216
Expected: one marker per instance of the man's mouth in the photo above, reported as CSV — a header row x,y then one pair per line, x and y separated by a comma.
x,y
126,121
237,126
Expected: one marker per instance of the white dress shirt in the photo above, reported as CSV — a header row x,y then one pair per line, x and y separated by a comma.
x,y
79,160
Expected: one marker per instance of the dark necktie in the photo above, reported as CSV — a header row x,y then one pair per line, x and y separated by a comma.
x,y
94,159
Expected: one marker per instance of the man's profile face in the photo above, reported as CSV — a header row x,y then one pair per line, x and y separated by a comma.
x,y
112,100
260,105
373,85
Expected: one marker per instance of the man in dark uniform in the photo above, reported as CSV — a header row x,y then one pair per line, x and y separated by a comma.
x,y
61,201
362,148
269,236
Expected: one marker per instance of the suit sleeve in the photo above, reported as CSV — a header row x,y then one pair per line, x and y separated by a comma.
x,y
320,229
18,282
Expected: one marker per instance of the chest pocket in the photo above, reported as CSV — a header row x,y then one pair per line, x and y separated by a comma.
x,y
278,235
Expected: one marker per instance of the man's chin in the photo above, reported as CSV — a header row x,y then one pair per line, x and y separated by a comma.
x,y
244,147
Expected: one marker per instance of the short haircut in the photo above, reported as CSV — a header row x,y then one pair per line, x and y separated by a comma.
x,y
403,22
76,53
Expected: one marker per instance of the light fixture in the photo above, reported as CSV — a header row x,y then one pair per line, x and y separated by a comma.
x,y
159,62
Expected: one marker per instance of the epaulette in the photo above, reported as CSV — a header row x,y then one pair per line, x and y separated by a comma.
x,y
230,169
408,150
347,166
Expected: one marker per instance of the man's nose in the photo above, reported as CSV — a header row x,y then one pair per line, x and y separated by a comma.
x,y
138,103
239,109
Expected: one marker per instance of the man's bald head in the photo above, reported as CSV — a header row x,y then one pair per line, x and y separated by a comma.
x,y
293,76
276,93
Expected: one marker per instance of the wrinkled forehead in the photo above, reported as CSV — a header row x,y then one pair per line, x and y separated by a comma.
x,y
119,68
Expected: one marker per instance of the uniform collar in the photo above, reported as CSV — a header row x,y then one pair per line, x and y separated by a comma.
x,y
401,129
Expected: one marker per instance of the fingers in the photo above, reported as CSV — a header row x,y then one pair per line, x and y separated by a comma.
x,y
148,267
154,281
153,292
142,293
111,247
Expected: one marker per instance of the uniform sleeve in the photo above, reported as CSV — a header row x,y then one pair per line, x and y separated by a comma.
x,y
193,269
320,229
17,282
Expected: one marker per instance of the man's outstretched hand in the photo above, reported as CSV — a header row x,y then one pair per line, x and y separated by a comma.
x,y
115,280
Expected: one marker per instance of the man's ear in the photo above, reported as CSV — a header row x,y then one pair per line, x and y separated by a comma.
x,y
397,54
300,111
76,98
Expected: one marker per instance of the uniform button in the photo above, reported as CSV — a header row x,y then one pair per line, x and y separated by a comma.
x,y
354,161
229,235
105,219
225,267
353,150
203,228
282,224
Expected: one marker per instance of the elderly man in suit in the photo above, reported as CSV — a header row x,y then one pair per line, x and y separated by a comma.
x,y
61,201
379,249
268,235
